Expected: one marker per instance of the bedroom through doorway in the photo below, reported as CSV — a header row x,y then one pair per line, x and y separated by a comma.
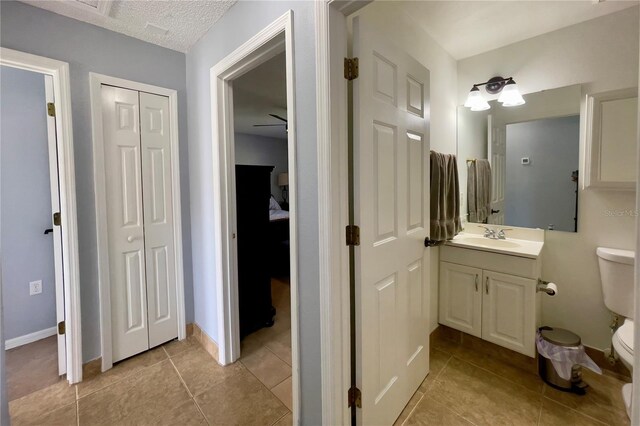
x,y
262,223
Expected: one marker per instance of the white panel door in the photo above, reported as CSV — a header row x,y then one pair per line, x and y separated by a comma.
x,y
57,230
460,298
158,218
391,206
498,159
508,312
125,221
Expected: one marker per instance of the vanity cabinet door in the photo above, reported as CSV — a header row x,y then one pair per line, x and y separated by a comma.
x,y
508,311
460,300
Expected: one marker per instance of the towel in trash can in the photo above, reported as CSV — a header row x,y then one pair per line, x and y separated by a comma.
x,y
563,357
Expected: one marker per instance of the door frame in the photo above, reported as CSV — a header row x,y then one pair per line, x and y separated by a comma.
x,y
333,196
59,71
99,182
276,38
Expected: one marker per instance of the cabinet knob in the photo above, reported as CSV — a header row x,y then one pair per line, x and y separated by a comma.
x,y
476,282
486,285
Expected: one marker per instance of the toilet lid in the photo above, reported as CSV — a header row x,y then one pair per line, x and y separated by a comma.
x,y
625,334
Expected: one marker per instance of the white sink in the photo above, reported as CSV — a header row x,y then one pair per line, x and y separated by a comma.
x,y
511,246
488,242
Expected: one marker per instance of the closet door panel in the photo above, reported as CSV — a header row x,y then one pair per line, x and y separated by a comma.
x,y
158,218
125,222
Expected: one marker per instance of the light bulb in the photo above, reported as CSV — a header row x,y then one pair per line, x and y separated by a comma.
x,y
510,95
475,101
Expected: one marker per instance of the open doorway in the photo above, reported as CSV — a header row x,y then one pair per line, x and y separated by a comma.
x,y
37,255
38,226
256,214
262,222
31,261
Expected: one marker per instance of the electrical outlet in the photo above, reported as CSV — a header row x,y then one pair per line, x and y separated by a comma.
x,y
35,287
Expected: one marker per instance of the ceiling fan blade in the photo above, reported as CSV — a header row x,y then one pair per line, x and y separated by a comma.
x,y
278,117
268,125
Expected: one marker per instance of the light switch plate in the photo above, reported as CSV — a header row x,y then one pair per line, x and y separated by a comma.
x,y
35,287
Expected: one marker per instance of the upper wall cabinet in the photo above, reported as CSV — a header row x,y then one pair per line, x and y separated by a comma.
x,y
612,120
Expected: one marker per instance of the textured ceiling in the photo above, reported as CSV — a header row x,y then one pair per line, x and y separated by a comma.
x,y
258,93
468,28
179,23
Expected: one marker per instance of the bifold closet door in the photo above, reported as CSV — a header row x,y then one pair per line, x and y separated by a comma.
x,y
125,222
158,218
140,220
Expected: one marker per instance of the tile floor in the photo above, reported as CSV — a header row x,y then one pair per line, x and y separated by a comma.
x,y
470,386
178,384
32,367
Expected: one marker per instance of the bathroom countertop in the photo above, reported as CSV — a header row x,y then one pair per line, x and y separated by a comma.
x,y
510,246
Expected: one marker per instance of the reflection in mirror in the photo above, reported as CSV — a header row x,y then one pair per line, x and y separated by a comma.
x,y
533,157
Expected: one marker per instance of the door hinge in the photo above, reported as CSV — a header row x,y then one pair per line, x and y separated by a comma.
x,y
51,109
353,235
354,397
61,327
56,219
351,69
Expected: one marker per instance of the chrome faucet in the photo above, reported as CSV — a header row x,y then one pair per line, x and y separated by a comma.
x,y
490,233
493,235
502,235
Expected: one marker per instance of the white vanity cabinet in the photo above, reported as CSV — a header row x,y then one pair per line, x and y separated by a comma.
x,y
460,300
491,296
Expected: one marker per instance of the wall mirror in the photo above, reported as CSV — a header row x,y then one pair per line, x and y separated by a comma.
x,y
533,153
612,121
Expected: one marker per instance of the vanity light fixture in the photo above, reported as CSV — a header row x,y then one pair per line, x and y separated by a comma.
x,y
509,97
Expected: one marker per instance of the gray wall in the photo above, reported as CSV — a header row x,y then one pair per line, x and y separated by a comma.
x,y
542,192
240,23
4,404
88,48
25,204
263,151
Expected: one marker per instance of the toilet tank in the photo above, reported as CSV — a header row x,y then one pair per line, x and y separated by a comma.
x,y
616,276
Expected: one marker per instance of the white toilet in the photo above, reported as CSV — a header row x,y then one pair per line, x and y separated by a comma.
x,y
616,275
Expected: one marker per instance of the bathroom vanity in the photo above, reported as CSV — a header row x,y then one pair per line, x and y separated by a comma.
x,y
488,288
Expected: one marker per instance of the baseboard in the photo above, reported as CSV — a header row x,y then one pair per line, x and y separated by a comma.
x,y
618,369
206,341
91,369
30,338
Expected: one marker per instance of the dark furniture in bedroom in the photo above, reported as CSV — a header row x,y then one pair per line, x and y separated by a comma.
x,y
279,252
253,192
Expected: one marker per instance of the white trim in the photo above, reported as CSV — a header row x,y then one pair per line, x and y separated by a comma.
x,y
30,338
333,196
66,169
635,389
96,81
333,214
57,231
261,47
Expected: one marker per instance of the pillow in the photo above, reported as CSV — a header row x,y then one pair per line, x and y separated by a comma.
x,y
273,204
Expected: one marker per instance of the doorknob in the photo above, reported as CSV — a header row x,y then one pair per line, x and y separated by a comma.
x,y
494,211
428,242
131,238
48,231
